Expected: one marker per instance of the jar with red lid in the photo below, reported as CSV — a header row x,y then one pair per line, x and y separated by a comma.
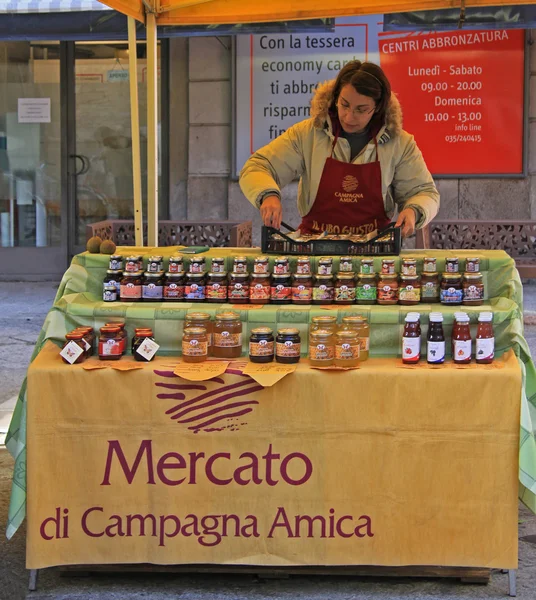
x,y
122,333
73,351
388,289
89,339
302,288
216,287
238,290
281,289
323,290
110,343
143,345
344,292
259,288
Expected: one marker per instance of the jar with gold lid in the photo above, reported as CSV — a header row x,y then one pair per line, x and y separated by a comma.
x,y
194,345
321,348
227,339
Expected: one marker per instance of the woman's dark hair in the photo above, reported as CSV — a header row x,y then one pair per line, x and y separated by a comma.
x,y
367,79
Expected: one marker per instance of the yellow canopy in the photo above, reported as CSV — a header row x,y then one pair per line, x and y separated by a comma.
x,y
212,12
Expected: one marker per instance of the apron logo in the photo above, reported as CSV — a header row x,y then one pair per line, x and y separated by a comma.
x,y
350,183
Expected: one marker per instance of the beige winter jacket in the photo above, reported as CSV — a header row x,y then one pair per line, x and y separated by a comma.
x,y
301,151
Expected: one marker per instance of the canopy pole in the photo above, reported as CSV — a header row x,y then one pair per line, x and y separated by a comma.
x,y
152,133
135,131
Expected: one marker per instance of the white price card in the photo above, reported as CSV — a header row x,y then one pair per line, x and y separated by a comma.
x,y
71,352
148,348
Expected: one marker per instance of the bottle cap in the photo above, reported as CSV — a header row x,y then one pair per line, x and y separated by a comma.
x,y
486,317
436,317
412,318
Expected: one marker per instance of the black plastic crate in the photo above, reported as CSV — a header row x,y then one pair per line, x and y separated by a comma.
x,y
390,246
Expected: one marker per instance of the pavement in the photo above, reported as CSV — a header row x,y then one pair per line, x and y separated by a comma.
x,y
23,309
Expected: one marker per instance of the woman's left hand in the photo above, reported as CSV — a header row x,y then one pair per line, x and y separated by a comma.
x,y
406,220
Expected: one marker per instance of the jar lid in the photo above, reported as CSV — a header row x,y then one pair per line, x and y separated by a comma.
x,y
83,328
472,276
74,335
430,259
452,259
345,258
344,275
303,259
388,276
133,257
240,258
262,259
388,260
430,273
116,256
262,331
238,275
367,260
138,329
156,258
175,259
346,333
145,333
195,331
366,275
114,271
154,274
195,275
132,273
324,319
228,316
198,316
330,277
325,259
451,276
170,274
218,259
219,274
409,277
288,331
486,317
473,259
410,261
281,275
412,318
321,333
436,317
283,259
110,329
197,258
354,319
302,276
260,275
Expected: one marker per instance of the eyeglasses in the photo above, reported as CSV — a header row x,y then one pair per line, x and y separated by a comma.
x,y
356,111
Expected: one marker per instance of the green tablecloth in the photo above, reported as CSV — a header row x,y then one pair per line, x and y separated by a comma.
x,y
78,302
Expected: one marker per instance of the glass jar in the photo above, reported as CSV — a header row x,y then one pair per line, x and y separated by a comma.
x,y
176,264
472,265
409,292
388,266
259,288
302,288
281,266
240,264
238,290
216,290
89,339
345,264
116,262
367,266
323,290
346,348
137,330
139,338
303,265
473,289
366,291
325,265
227,339
429,265
452,265
288,346
204,321
155,264
113,278
194,345
109,293
281,289
435,340
131,286
76,337
132,264
409,266
197,264
462,341
321,348
344,291
325,322
261,265
218,265
153,287
122,336
174,288
195,288
485,339
110,343
411,339
261,345
430,287
388,289
361,327
451,291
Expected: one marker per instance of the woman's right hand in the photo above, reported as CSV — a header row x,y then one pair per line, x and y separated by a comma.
x,y
272,212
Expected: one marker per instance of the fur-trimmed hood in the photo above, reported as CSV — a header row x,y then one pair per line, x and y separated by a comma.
x,y
324,95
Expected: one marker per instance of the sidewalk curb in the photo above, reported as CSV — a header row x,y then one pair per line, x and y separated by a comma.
x,y
529,317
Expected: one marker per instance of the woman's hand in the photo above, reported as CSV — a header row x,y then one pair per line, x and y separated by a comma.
x,y
272,211
406,220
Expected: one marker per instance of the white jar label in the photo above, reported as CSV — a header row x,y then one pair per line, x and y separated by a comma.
x,y
411,349
462,350
435,352
485,349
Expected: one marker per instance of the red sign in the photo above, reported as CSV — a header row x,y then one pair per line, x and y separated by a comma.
x,y
462,97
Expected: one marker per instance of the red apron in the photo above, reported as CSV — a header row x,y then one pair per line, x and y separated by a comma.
x,y
349,199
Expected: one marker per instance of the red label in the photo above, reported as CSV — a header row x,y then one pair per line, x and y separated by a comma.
x,y
280,292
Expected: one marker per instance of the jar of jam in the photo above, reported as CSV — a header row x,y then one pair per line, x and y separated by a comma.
x,y
409,266
116,262
216,290
113,278
367,266
361,327
195,288
131,286
227,339
462,341
430,287
132,264
345,264
451,291
153,287
261,265
240,264
281,265
388,266
325,265
174,288
137,330
473,289
281,289
429,265
110,343
176,264
321,348
344,292
303,265
452,265
218,265
409,292
485,339
346,348
288,346
89,339
326,322
74,345
155,264
122,336
388,289
238,291
259,288
142,349
261,345
472,265
194,345
203,320
109,293
302,288
323,289
366,291
197,264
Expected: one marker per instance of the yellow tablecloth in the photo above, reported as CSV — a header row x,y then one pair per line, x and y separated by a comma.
x,y
402,466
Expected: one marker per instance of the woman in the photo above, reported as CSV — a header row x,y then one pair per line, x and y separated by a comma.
x,y
354,162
